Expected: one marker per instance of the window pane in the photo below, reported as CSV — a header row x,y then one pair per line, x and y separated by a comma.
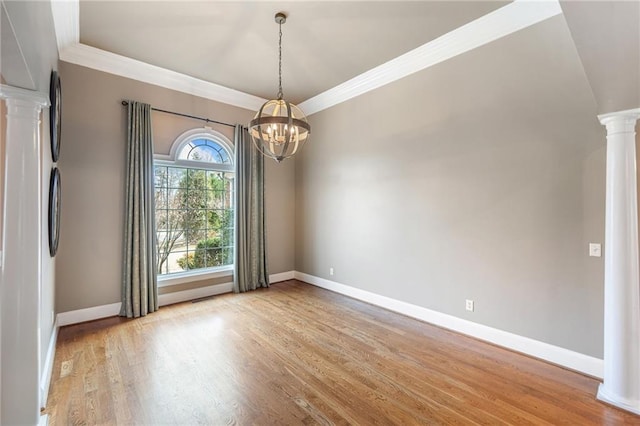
x,y
205,154
177,177
199,260
162,221
175,219
228,256
161,198
162,251
177,262
226,235
216,180
161,237
224,157
216,199
196,199
194,237
161,177
197,179
204,150
194,220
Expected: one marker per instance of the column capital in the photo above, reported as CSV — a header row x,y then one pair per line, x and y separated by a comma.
x,y
24,97
620,121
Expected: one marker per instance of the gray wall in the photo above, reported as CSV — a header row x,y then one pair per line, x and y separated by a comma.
x,y
92,166
607,37
480,178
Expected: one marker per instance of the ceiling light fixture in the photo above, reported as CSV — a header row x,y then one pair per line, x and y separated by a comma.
x,y
279,128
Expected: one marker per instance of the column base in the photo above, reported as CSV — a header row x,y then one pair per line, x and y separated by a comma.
x,y
625,404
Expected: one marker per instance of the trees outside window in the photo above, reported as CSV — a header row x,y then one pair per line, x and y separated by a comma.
x,y
194,206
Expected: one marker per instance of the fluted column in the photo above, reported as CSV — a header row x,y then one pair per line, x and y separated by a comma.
x,y
621,385
21,267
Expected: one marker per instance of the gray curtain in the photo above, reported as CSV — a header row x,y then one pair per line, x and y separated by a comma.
x,y
250,270
139,282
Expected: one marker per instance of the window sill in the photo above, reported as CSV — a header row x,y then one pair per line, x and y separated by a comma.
x,y
188,277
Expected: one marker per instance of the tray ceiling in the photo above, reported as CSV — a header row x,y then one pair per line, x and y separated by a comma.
x,y
234,44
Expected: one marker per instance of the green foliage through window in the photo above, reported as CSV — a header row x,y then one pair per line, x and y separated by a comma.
x,y
194,218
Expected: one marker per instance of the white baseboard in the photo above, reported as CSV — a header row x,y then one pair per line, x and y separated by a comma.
x,y
87,314
113,309
47,370
283,276
554,354
44,420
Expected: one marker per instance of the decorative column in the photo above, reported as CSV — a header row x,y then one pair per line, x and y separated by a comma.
x,y
621,385
22,250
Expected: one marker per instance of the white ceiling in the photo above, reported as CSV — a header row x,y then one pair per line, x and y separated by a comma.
x,y
234,43
333,50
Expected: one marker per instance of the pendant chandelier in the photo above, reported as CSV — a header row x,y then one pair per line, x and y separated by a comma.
x,y
279,128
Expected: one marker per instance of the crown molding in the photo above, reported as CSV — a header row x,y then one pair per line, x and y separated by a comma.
x,y
101,60
504,21
66,20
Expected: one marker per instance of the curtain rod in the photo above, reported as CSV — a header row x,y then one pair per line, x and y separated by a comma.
x,y
208,120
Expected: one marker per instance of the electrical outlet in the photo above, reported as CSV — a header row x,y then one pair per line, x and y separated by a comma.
x,y
330,271
595,250
469,305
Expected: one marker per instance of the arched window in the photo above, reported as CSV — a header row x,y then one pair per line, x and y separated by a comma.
x,y
194,189
204,150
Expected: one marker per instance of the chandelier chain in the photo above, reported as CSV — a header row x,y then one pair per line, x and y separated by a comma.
x,y
280,94
279,128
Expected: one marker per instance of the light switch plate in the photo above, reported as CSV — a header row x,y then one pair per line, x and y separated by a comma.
x,y
595,250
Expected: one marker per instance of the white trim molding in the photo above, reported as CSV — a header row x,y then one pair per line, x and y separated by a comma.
x,y
196,293
182,278
88,314
66,21
500,23
47,370
283,276
504,21
123,66
113,309
554,354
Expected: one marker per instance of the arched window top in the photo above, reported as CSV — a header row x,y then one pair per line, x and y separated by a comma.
x,y
204,150
204,146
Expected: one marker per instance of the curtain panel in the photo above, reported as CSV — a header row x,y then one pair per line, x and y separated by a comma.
x,y
250,261
139,281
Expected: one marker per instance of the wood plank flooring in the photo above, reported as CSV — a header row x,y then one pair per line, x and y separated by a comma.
x,y
295,354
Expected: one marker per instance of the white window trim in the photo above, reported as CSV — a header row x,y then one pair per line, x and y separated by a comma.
x,y
193,164
176,278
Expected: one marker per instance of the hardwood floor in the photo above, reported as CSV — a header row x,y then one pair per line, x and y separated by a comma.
x,y
297,354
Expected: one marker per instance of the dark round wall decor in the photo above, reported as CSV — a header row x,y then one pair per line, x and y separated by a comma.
x,y
55,114
54,211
